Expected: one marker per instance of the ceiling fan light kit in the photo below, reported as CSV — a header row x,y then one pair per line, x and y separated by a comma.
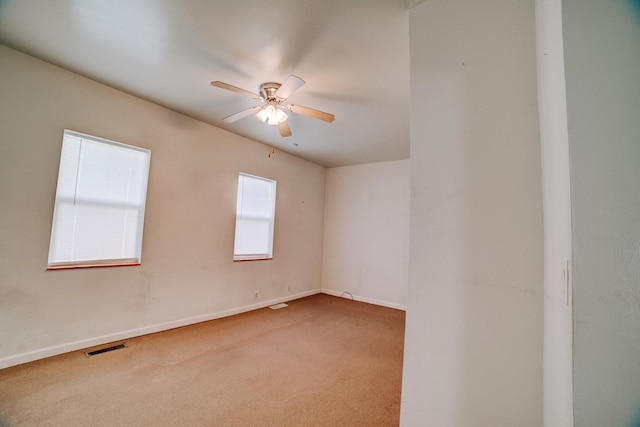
x,y
272,112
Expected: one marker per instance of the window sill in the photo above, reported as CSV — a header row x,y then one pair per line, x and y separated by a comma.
x,y
252,259
76,266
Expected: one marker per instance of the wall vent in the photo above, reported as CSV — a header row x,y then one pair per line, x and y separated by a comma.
x,y
104,350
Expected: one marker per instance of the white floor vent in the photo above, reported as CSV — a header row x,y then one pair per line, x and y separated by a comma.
x,y
277,306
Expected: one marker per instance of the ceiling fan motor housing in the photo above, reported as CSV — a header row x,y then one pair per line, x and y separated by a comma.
x,y
268,92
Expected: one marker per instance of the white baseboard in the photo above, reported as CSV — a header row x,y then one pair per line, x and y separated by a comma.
x,y
118,336
347,294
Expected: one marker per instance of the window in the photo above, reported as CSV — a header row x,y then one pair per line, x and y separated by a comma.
x,y
99,208
255,215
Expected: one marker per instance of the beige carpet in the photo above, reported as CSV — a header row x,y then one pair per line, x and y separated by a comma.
x,y
322,361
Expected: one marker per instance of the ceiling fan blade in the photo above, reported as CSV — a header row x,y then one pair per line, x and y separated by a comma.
x,y
292,84
241,114
232,88
284,128
310,112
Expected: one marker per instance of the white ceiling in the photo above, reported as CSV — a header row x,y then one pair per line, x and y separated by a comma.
x,y
353,55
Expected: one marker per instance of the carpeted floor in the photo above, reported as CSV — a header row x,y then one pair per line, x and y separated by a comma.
x,y
322,361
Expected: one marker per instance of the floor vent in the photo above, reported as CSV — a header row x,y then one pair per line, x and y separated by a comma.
x,y
104,350
277,306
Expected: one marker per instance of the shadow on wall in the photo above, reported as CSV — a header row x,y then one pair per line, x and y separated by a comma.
x,y
635,5
636,419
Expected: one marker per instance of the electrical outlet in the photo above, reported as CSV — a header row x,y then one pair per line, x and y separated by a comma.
x,y
289,288
256,296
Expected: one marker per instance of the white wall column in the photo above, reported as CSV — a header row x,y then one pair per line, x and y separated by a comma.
x,y
552,107
473,354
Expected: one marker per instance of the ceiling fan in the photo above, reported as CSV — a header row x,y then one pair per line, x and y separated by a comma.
x,y
273,111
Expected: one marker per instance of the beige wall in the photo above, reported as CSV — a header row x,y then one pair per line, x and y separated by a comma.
x,y
473,354
366,232
187,273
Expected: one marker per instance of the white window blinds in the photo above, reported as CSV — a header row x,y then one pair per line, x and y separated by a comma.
x,y
100,200
255,215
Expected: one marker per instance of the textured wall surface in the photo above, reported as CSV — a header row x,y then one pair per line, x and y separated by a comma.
x,y
603,103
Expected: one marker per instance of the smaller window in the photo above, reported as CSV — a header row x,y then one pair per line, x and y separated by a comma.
x,y
255,217
99,208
